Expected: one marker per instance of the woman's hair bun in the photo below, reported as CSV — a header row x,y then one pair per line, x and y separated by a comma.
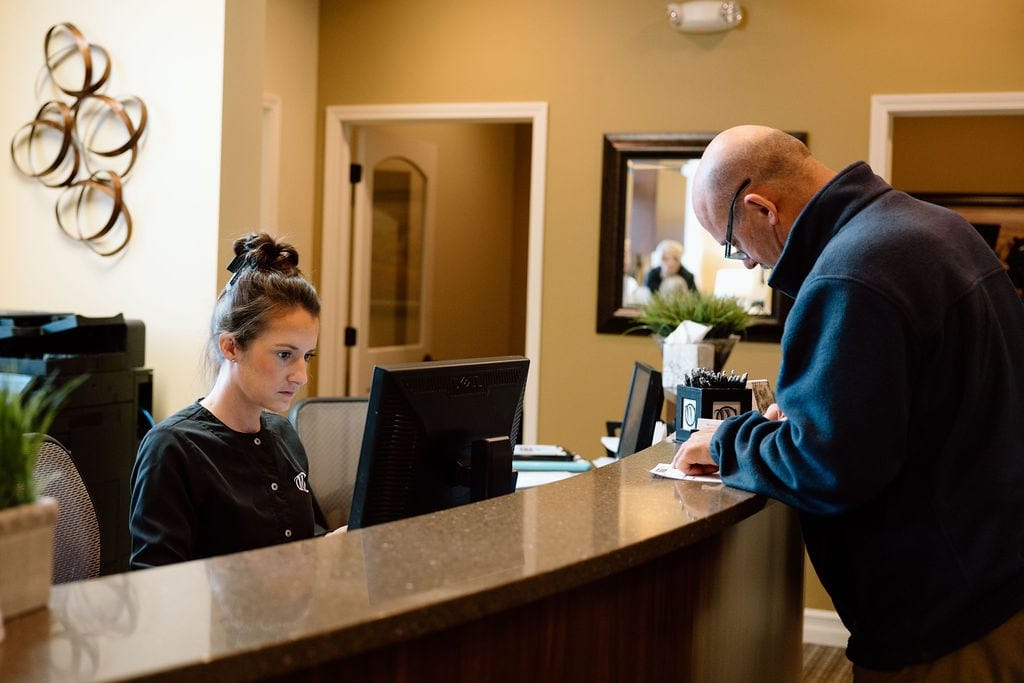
x,y
263,252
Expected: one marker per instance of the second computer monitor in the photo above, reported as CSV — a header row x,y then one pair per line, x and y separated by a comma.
x,y
643,405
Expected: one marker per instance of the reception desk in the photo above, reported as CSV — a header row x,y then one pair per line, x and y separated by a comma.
x,y
611,575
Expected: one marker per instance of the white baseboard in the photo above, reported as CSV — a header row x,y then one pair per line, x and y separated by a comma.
x,y
823,627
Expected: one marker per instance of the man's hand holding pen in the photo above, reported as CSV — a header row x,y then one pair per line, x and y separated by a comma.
x,y
694,454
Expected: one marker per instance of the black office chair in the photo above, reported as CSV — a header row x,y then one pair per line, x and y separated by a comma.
x,y
331,430
76,538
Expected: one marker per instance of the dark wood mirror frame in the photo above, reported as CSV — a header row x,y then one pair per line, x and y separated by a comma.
x,y
619,150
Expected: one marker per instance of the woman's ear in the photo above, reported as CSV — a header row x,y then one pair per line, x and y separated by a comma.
x,y
228,346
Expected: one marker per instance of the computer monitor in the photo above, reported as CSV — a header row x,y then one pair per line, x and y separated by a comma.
x,y
438,434
643,405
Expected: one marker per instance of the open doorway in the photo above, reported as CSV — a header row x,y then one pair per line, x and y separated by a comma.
x,y
517,301
466,279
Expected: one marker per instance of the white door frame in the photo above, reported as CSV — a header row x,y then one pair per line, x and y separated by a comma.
x,y
884,108
336,229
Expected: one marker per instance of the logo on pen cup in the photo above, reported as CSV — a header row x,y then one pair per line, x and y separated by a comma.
x,y
721,410
689,414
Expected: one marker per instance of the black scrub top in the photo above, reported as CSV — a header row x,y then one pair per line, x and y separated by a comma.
x,y
201,489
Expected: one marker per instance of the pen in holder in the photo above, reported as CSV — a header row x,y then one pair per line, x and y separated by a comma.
x,y
707,394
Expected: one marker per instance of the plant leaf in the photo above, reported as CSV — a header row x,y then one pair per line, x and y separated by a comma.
x,y
24,421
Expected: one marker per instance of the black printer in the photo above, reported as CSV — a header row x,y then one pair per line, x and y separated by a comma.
x,y
104,419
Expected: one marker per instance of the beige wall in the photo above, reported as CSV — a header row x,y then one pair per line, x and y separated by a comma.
x,y
171,55
244,40
290,74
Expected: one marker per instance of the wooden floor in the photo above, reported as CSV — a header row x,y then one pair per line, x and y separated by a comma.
x,y
823,664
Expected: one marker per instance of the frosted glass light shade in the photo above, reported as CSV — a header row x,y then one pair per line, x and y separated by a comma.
x,y
704,16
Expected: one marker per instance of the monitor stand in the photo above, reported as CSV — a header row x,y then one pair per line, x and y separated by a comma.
x,y
490,468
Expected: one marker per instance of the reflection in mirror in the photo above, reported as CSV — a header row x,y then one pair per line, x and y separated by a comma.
x,y
651,240
667,250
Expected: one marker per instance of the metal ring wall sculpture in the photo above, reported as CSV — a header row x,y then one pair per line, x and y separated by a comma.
x,y
68,144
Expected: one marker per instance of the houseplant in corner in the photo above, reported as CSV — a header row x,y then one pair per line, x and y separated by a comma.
x,y
725,315
26,520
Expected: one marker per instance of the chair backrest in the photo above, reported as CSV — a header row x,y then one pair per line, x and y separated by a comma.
x,y
331,430
76,538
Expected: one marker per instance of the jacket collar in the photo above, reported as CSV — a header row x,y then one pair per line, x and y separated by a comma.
x,y
831,208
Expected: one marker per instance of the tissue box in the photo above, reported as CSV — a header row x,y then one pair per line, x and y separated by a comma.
x,y
679,359
718,404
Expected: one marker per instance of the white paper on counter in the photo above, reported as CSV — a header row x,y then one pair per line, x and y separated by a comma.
x,y
668,472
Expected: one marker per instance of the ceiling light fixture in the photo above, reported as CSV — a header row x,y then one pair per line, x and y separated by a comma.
x,y
704,16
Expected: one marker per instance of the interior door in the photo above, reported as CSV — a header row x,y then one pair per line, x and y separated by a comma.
x,y
393,245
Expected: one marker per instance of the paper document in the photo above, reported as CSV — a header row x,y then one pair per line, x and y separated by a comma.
x,y
520,450
708,424
611,443
541,452
668,472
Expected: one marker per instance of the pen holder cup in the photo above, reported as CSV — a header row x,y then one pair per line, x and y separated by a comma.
x,y
693,404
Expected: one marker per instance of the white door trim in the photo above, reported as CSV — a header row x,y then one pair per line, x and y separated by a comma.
x,y
823,627
336,228
884,108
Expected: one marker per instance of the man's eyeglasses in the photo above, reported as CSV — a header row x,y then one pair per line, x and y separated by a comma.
x,y
730,251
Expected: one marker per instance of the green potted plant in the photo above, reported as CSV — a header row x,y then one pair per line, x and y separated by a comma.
x,y
26,519
726,316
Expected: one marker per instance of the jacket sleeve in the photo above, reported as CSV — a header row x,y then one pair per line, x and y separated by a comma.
x,y
844,387
163,513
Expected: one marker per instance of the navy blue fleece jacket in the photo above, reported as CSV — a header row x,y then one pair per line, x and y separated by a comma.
x,y
902,379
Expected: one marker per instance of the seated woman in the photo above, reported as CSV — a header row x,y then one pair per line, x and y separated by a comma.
x,y
670,255
226,473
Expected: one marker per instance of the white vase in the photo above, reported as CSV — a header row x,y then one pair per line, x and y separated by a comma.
x,y
26,556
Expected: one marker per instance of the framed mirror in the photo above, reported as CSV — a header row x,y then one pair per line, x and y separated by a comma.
x,y
647,217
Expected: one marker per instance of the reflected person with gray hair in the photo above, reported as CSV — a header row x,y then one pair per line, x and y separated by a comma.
x,y
669,275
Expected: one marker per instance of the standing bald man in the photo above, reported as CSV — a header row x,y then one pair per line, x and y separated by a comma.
x,y
899,429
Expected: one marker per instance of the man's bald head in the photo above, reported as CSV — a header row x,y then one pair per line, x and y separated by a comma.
x,y
782,171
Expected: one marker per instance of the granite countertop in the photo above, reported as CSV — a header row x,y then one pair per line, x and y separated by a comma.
x,y
267,611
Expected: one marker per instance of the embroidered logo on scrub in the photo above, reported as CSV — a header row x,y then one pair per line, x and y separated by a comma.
x,y
300,482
